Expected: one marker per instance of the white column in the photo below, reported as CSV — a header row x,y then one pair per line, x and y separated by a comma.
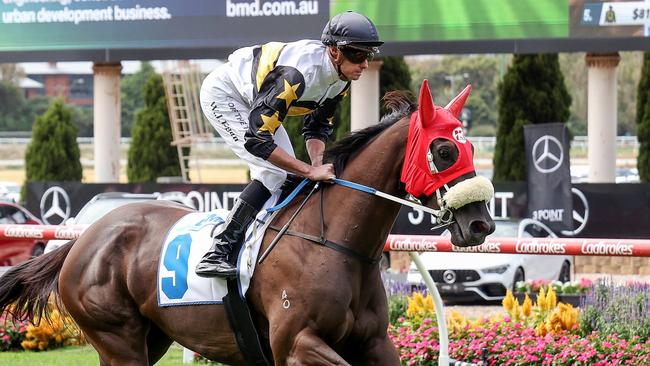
x,y
364,102
602,106
106,124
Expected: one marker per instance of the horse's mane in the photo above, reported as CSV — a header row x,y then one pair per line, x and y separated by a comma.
x,y
400,103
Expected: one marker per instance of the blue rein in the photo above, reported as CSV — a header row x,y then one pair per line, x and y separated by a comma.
x,y
362,188
294,193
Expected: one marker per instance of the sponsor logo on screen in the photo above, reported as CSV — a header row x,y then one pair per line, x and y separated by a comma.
x,y
270,8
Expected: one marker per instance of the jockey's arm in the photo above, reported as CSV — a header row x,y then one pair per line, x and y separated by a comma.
x,y
319,125
315,149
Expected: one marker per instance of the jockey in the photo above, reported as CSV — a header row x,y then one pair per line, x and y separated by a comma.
x,y
247,98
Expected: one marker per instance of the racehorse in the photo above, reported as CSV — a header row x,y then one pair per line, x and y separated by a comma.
x,y
106,278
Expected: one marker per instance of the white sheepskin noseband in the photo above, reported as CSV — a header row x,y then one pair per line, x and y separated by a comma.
x,y
475,189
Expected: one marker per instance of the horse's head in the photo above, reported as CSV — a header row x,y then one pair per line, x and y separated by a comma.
x,y
438,169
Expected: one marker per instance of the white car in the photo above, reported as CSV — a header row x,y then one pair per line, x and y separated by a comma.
x,y
467,277
10,191
97,207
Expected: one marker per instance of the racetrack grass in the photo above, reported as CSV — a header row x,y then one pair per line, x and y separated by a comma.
x,y
76,356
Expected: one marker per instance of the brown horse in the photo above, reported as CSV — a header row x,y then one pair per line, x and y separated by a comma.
x,y
106,279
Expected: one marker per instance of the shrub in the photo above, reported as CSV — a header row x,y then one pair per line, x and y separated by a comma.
x,y
397,293
532,91
12,333
420,308
150,154
618,309
643,120
508,342
566,288
53,332
546,315
53,154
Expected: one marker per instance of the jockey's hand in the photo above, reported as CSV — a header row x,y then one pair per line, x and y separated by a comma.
x,y
323,172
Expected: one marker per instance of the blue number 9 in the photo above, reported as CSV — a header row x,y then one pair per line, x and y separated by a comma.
x,y
176,257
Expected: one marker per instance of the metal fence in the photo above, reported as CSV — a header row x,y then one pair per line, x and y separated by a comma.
x,y
483,143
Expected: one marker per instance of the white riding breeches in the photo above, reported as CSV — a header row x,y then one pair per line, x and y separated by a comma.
x,y
228,113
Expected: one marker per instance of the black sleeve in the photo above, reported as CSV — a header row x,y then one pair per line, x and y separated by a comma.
x,y
319,124
279,90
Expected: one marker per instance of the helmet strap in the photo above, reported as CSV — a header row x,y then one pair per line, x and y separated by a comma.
x,y
338,61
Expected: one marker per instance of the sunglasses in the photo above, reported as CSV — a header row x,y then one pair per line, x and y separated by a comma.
x,y
357,56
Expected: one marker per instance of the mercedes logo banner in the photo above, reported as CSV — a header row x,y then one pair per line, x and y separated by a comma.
x,y
599,210
549,176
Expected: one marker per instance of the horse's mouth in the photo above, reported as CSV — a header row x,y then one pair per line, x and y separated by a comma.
x,y
461,239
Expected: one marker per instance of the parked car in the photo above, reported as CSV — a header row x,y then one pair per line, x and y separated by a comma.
x,y
10,191
14,251
99,206
469,277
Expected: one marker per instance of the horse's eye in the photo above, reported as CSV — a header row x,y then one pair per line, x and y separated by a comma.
x,y
444,153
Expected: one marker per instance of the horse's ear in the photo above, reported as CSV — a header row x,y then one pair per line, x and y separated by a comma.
x,y
457,104
425,101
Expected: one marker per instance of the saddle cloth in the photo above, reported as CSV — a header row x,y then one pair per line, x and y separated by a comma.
x,y
184,245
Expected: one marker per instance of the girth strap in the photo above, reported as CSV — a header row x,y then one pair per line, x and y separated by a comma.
x,y
330,244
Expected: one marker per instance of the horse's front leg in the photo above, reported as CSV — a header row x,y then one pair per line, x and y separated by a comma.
x,y
309,349
378,351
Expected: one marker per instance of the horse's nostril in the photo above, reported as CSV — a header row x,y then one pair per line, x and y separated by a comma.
x,y
479,227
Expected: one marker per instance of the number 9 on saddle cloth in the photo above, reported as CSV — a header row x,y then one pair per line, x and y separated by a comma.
x,y
187,241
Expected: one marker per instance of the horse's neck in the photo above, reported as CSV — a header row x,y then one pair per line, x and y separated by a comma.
x,y
363,221
379,165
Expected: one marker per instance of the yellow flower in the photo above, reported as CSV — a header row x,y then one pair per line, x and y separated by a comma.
x,y
568,315
527,307
508,301
516,311
428,303
52,331
420,307
414,307
541,299
551,299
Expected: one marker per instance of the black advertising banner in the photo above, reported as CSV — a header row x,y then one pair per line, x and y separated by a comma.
x,y
548,174
54,202
599,210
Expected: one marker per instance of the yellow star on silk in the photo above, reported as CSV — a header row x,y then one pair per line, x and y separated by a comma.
x,y
289,93
271,123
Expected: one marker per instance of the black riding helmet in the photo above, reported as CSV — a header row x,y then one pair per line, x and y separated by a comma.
x,y
351,29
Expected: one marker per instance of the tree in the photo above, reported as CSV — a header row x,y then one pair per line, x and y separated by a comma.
x,y
12,108
150,154
11,73
53,153
132,97
448,75
532,91
643,120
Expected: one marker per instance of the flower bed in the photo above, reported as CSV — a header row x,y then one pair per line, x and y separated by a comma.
x,y
573,292
512,343
12,333
544,332
54,332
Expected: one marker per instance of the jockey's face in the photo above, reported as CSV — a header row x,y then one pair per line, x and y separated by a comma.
x,y
352,65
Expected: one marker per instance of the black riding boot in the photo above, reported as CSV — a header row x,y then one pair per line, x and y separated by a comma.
x,y
217,262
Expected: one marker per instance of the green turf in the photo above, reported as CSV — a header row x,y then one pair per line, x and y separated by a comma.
x,y
416,20
75,356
